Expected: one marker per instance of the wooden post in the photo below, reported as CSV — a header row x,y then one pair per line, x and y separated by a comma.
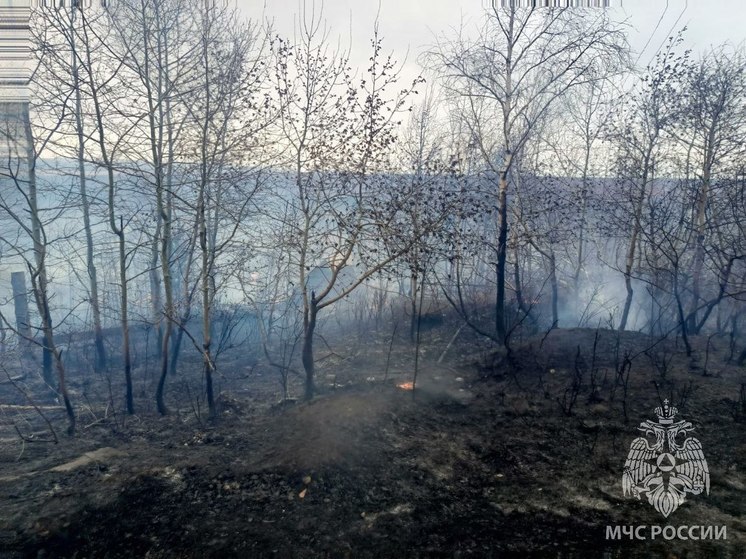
x,y
20,302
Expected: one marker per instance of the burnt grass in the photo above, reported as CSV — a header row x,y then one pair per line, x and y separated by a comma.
x,y
485,460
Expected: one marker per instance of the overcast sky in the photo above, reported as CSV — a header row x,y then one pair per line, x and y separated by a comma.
x,y
411,25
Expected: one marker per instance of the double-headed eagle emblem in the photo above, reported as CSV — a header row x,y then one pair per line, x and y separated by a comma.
x,y
664,464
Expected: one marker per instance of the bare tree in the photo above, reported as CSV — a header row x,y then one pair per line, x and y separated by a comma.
x,y
159,69
339,135
640,131
19,200
228,112
109,134
574,136
64,77
713,131
427,172
522,62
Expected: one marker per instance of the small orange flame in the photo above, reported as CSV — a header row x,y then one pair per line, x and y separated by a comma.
x,y
406,385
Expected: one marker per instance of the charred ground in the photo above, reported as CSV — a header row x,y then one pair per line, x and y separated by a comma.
x,y
488,459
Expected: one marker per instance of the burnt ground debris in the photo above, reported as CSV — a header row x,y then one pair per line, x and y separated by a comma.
x,y
484,461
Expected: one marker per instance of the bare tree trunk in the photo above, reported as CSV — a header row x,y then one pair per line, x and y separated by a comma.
x,y
629,263
520,300
187,298
419,336
124,303
699,251
39,278
118,231
178,337
555,288
167,284
100,360
209,365
309,326
156,301
413,290
204,245
169,167
123,293
502,250
580,263
632,248
163,197
680,311
129,398
517,282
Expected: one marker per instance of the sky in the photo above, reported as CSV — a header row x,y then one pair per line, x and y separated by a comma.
x,y
409,26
